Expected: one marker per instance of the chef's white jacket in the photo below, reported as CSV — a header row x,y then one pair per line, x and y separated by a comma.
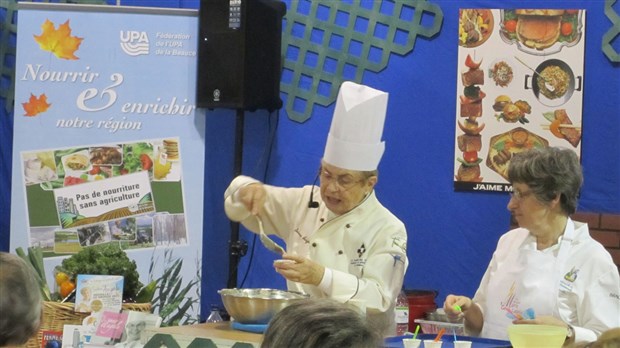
x,y
584,291
365,249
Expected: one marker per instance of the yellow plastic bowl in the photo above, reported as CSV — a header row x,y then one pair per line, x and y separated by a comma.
x,y
536,336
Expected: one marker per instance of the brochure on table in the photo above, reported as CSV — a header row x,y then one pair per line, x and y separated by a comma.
x,y
97,293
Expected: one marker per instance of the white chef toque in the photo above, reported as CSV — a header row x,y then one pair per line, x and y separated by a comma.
x,y
354,139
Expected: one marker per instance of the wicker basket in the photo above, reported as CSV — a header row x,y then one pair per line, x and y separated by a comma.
x,y
56,315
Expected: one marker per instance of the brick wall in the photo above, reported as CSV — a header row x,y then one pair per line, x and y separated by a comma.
x,y
605,228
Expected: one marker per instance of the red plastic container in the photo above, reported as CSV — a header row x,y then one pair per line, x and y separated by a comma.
x,y
420,302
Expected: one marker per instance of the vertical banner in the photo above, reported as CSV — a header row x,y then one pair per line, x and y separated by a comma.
x,y
519,86
108,145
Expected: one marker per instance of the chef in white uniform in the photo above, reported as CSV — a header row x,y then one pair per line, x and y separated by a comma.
x,y
549,270
341,242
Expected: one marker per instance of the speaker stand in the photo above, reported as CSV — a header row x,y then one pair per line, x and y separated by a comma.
x,y
236,248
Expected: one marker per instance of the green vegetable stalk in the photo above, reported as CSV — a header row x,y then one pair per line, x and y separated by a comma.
x,y
169,294
35,259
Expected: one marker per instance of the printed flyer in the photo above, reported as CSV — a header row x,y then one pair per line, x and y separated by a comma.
x,y
51,339
519,86
98,293
110,328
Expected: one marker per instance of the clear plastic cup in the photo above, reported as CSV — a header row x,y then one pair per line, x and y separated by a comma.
x,y
411,342
432,344
462,344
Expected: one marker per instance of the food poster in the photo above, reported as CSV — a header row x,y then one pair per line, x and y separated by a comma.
x,y
108,144
519,86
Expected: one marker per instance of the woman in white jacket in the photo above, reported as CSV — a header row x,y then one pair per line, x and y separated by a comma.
x,y
549,270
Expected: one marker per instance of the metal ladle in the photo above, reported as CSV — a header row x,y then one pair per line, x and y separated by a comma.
x,y
268,242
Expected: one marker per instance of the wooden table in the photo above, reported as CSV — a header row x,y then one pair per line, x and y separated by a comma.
x,y
220,334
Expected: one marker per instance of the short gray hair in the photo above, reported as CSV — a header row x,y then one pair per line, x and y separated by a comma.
x,y
549,172
316,322
20,301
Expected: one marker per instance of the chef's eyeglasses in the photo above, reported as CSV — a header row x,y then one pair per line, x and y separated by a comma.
x,y
520,196
344,181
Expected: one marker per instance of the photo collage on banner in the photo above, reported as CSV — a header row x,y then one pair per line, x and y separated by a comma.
x,y
89,195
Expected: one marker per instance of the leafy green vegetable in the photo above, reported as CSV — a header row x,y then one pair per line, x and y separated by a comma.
x,y
469,164
131,155
499,146
106,259
145,295
509,14
50,185
574,21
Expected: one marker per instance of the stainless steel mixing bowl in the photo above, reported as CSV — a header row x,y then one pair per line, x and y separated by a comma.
x,y
256,306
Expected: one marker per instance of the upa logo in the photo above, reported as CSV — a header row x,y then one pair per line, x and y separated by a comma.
x,y
134,43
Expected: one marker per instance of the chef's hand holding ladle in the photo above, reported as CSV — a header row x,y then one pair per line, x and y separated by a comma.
x,y
253,197
299,269
292,267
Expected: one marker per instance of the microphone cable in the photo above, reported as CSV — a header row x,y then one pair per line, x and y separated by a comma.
x,y
312,203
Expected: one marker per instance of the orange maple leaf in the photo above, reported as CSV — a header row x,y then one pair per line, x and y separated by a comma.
x,y
58,41
35,105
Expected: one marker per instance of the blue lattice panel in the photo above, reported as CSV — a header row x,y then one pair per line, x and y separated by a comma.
x,y
327,42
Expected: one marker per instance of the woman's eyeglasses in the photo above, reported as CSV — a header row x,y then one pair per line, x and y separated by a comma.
x,y
519,196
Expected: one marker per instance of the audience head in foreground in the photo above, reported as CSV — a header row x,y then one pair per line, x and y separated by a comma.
x,y
20,301
608,339
324,323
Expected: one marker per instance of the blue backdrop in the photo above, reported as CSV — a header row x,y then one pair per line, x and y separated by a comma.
x,y
451,234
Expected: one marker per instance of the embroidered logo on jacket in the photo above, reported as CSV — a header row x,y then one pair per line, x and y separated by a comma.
x,y
400,243
361,250
567,283
572,275
359,261
397,259
511,306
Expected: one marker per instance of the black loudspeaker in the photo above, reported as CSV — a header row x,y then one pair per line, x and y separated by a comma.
x,y
239,54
